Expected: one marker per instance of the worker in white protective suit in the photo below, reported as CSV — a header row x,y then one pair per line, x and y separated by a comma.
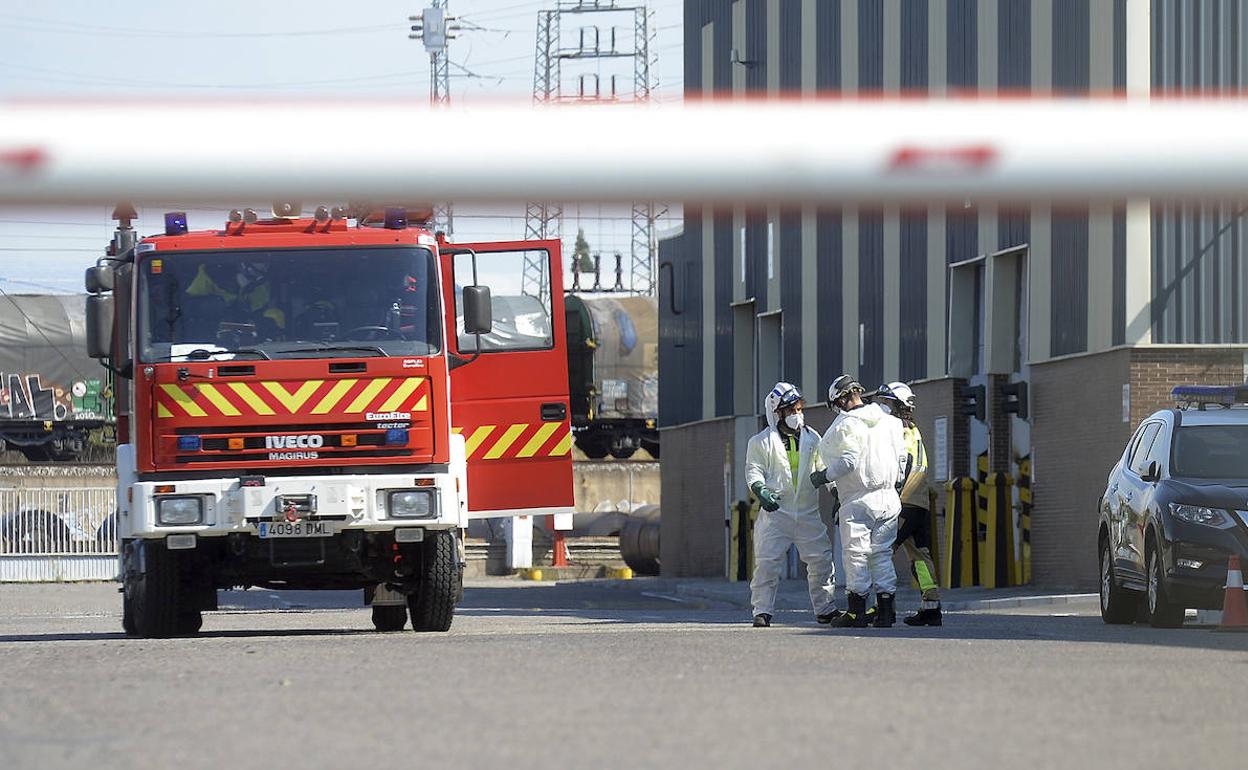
x,y
778,462
863,452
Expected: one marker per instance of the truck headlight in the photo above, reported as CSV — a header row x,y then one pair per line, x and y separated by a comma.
x,y
179,511
412,504
1199,514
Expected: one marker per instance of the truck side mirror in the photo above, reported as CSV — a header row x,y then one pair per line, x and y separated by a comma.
x,y
478,310
100,317
98,279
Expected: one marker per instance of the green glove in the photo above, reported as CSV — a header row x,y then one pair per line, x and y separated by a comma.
x,y
819,478
770,501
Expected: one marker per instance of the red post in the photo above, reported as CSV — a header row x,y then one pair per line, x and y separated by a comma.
x,y
559,556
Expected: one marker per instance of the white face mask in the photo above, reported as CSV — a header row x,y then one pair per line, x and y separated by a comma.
x,y
795,421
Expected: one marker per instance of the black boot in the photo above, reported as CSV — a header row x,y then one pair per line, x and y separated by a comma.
x,y
857,615
762,620
829,616
927,616
885,612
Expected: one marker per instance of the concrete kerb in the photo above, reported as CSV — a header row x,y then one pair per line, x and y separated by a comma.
x,y
793,595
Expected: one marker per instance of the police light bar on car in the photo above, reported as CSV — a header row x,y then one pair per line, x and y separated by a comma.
x,y
1204,395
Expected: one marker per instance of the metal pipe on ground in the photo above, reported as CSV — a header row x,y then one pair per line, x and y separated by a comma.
x,y
639,540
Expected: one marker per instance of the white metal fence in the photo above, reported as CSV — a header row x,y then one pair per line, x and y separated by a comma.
x,y
58,534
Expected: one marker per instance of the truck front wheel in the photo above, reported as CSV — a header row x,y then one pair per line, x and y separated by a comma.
x,y
152,594
432,605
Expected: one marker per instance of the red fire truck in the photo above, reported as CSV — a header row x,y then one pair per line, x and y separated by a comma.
x,y
311,403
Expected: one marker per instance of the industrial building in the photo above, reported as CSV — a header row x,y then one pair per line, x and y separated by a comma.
x,y
1098,309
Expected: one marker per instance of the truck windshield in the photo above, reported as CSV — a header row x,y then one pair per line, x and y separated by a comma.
x,y
288,303
1211,452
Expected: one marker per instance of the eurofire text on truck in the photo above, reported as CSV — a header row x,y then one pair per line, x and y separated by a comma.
x,y
306,403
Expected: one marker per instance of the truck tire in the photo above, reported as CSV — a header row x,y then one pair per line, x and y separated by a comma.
x,y
389,617
189,622
432,605
155,594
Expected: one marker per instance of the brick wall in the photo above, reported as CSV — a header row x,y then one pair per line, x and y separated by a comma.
x,y
1077,435
691,537
1154,371
999,452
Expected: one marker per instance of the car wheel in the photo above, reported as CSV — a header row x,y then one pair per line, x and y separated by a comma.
x,y
1118,605
1162,613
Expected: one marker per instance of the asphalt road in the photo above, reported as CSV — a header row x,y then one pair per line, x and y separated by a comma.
x,y
605,675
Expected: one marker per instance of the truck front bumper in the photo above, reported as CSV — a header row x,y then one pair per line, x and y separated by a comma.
x,y
221,506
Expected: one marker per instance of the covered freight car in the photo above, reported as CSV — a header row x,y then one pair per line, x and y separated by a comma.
x,y
51,394
613,374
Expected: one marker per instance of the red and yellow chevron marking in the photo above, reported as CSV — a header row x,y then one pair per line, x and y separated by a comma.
x,y
516,441
314,397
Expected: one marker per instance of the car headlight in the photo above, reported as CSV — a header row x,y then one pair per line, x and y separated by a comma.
x,y
179,511
412,504
1199,514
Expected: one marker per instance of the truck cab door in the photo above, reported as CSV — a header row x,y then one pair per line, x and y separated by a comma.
x,y
509,388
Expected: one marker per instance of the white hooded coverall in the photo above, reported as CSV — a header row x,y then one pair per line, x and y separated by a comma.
x,y
864,450
796,522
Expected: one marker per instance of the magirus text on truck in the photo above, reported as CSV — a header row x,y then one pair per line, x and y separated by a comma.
x,y
311,403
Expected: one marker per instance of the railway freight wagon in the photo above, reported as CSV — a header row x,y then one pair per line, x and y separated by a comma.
x,y
613,374
51,394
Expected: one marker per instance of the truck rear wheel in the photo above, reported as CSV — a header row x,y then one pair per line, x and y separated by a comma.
x,y
389,617
432,605
153,596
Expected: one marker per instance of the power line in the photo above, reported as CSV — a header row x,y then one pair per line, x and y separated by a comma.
x,y
109,80
34,24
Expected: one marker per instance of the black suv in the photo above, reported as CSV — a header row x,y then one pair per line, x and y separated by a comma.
x,y
1175,508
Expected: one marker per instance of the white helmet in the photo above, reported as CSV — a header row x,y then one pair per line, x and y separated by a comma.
x,y
899,392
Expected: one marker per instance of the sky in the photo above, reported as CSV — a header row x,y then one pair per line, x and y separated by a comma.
x,y
74,49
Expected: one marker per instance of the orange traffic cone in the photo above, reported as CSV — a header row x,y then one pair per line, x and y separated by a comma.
x,y
1234,607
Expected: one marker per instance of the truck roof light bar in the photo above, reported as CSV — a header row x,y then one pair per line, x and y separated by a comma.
x,y
396,219
175,223
1201,396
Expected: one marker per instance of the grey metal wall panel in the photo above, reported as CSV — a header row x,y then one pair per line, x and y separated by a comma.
x,y
1156,34
1014,45
756,259
1120,276
756,45
871,294
961,233
722,16
790,259
914,34
1013,229
829,281
791,46
962,20
870,45
1120,46
1069,281
680,331
1070,46
723,312
828,65
694,20
913,310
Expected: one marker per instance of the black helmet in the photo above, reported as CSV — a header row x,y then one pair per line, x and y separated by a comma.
x,y
843,386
